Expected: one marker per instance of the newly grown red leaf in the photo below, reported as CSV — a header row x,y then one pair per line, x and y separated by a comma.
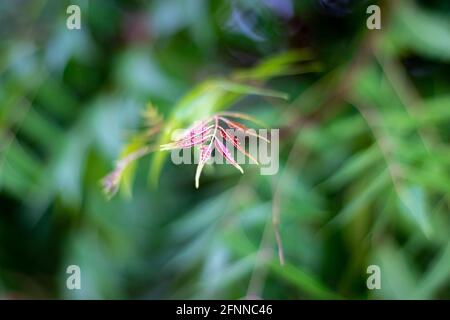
x,y
236,144
244,129
205,154
226,154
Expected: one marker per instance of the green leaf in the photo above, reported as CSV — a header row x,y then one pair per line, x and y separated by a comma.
x,y
302,280
244,89
413,205
431,112
398,278
367,195
354,166
280,65
436,276
129,173
432,177
423,31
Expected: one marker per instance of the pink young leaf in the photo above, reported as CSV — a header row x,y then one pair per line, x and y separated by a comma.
x,y
205,154
242,116
186,143
226,154
235,141
193,133
242,128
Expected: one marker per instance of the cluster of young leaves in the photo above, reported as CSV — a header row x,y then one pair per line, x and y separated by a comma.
x,y
203,104
211,135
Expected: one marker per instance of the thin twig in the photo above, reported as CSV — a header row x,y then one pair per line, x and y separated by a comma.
x,y
276,212
264,253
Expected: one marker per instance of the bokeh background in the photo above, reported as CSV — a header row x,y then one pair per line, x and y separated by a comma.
x,y
364,156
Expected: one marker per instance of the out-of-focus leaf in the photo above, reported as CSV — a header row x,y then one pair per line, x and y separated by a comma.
x,y
138,73
302,280
433,111
436,276
129,172
354,166
248,90
279,65
398,278
219,274
433,177
413,205
41,130
368,194
325,137
423,31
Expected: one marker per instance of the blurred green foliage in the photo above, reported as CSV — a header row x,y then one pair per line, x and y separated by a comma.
x,y
364,166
